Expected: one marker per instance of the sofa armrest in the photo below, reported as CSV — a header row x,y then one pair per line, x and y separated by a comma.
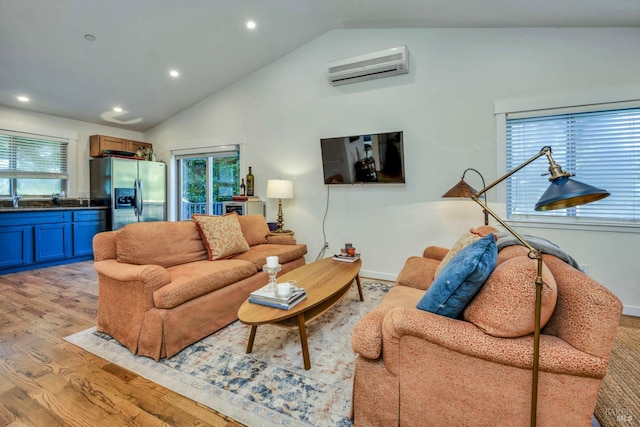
x,y
146,278
556,356
285,239
435,252
104,246
366,338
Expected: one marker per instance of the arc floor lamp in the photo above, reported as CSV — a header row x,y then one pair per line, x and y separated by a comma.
x,y
563,192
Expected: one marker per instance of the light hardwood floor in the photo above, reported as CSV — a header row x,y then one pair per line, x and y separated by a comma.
x,y
45,381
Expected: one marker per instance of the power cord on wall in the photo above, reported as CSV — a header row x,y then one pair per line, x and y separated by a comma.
x,y
325,244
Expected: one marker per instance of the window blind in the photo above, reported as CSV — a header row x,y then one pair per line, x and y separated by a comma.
x,y
25,156
601,148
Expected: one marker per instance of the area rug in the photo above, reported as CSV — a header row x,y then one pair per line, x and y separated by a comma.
x,y
619,398
270,386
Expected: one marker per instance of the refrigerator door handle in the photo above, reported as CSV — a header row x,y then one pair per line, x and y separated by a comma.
x,y
139,197
135,197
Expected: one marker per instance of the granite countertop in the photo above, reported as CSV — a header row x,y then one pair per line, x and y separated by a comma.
x,y
49,208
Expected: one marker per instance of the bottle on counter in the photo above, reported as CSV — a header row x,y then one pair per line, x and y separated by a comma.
x,y
243,191
250,183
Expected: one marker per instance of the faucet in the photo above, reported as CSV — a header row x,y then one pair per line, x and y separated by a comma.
x,y
16,198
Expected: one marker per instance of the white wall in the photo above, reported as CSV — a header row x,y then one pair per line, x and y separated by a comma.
x,y
27,121
445,108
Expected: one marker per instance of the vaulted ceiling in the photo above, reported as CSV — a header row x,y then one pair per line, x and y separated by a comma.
x,y
80,59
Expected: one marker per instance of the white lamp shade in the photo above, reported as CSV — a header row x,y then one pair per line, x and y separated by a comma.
x,y
279,189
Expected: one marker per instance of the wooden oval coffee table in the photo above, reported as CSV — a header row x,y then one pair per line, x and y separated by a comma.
x,y
326,282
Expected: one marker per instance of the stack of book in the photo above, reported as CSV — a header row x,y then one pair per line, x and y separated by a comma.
x,y
273,300
347,258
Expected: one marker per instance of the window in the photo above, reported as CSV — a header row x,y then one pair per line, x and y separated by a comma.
x,y
32,165
602,148
206,180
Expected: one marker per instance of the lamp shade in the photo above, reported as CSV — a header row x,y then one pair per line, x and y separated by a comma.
x,y
565,192
279,189
461,189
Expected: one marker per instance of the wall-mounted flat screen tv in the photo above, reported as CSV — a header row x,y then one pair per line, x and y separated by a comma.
x,y
375,158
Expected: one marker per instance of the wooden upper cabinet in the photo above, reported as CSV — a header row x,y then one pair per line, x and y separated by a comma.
x,y
102,145
134,145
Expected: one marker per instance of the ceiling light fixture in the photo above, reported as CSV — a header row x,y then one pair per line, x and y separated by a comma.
x,y
251,25
117,109
90,37
22,98
174,73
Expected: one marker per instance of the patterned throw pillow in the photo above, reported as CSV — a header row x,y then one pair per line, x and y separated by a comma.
x,y
222,235
465,240
461,278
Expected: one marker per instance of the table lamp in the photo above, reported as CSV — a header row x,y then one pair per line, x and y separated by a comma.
x,y
280,189
563,192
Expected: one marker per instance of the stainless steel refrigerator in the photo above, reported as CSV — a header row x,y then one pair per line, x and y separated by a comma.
x,y
135,190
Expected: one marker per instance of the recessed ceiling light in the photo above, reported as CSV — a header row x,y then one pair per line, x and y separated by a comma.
x,y
251,25
22,98
117,109
174,73
90,37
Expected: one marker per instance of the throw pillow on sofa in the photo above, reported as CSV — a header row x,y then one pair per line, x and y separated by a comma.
x,y
505,306
222,235
465,240
254,229
461,278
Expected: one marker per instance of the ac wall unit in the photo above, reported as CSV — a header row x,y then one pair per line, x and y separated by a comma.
x,y
388,62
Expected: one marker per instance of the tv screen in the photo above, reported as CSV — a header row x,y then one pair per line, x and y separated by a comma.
x,y
376,158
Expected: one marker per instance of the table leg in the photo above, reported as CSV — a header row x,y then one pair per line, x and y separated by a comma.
x,y
303,340
359,287
252,336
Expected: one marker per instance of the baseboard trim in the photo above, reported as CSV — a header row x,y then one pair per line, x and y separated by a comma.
x,y
378,275
628,310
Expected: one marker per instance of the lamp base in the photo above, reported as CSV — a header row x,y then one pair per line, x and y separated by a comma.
x,y
282,231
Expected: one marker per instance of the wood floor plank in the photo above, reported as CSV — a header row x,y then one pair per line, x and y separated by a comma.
x,y
76,406
26,410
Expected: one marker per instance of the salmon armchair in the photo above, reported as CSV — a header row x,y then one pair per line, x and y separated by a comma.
x,y
418,368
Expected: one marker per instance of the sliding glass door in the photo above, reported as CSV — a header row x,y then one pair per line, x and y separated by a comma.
x,y
206,181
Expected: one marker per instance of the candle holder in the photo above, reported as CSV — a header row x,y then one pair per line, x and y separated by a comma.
x,y
272,271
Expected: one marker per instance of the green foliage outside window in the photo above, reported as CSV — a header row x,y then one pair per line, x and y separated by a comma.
x,y
225,179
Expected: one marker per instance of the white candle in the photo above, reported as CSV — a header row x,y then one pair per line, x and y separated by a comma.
x,y
272,261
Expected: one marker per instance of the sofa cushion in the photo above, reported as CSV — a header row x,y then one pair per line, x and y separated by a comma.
x,y
254,228
189,281
464,240
461,278
417,272
161,243
505,306
222,235
285,253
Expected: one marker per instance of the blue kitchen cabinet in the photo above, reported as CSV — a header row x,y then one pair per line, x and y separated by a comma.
x,y
87,224
41,238
52,241
16,246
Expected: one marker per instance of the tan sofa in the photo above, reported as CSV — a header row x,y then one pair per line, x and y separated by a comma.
x,y
159,293
419,368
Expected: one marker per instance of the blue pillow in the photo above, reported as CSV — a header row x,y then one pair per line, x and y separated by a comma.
x,y
461,279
